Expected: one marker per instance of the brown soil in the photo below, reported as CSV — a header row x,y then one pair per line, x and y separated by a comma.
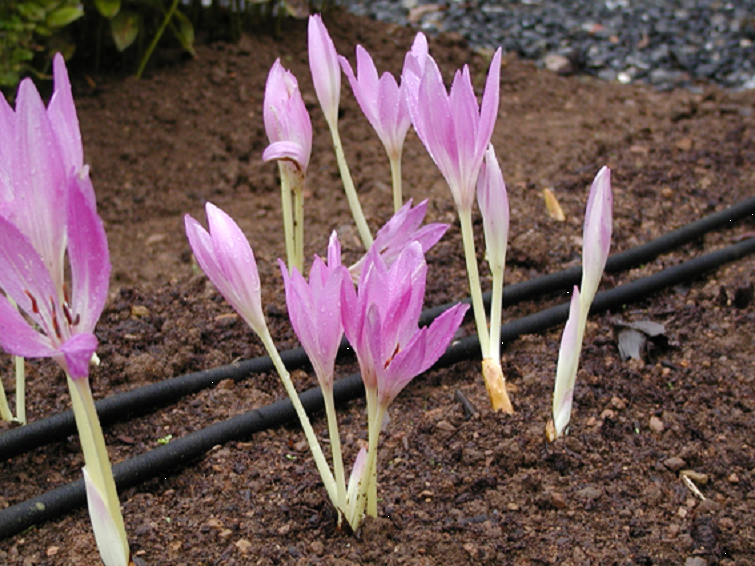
x,y
482,490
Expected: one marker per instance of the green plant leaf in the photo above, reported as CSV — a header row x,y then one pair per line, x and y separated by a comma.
x,y
108,8
125,27
31,11
63,16
184,32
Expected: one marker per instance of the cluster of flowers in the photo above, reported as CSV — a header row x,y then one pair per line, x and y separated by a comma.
x,y
375,303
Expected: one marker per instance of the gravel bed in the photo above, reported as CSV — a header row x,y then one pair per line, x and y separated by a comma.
x,y
669,43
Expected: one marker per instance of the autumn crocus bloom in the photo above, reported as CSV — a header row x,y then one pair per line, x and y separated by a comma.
x,y
290,132
596,239
225,255
381,100
380,320
597,233
326,73
566,370
287,122
455,130
402,229
47,215
494,206
44,176
314,309
326,76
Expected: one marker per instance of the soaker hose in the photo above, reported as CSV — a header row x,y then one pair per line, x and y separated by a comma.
x,y
180,452
142,399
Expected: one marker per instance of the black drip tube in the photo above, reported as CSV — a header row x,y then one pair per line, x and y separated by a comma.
x,y
181,451
143,399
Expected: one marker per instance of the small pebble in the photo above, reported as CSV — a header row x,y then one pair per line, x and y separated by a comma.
x,y
674,464
695,561
656,424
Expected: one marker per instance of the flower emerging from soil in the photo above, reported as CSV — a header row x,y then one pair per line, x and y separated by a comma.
x,y
47,214
596,244
380,320
314,309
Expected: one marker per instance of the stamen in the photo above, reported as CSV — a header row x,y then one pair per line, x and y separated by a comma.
x,y
34,305
55,325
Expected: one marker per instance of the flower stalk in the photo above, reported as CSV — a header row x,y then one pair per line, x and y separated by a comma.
x,y
326,76
596,245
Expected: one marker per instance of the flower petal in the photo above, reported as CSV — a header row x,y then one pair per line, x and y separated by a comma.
x,y
106,533
597,234
65,123
566,369
77,352
17,337
41,181
88,257
326,72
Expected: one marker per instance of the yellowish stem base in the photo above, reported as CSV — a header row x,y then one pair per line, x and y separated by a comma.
x,y
496,386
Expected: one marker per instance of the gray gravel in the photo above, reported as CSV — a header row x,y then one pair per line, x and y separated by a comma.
x,y
668,43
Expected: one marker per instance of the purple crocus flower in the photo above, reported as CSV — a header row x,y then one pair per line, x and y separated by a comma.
x,y
225,255
596,235
493,201
402,229
314,309
326,73
41,175
380,320
382,101
455,130
287,121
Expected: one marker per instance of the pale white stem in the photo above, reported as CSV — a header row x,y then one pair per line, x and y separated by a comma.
x,y
467,236
351,193
335,445
370,471
20,389
309,433
5,413
93,446
398,198
288,219
298,190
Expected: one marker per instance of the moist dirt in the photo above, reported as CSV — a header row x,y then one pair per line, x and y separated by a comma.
x,y
454,489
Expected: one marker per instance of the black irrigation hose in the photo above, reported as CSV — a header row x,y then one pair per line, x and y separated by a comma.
x,y
179,452
141,400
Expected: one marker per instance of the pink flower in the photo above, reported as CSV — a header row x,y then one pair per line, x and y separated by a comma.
x,y
380,320
401,230
454,129
63,325
323,62
596,234
494,206
314,309
287,121
381,100
225,255
48,212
